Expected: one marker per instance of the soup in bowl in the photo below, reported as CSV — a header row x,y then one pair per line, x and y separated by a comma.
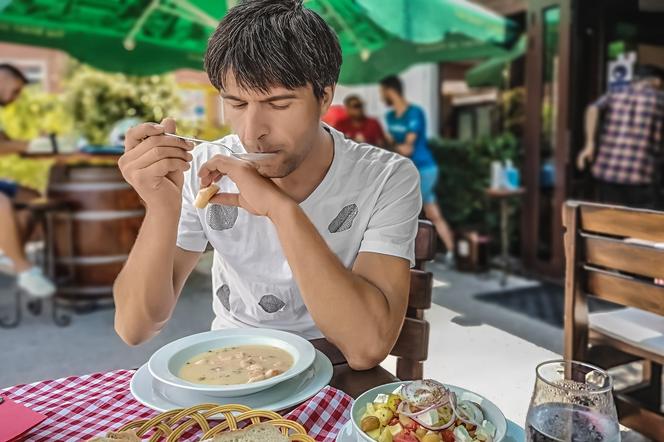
x,y
233,362
243,364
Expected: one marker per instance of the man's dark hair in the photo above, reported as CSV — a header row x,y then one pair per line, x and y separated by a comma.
x,y
14,72
392,82
268,43
349,99
648,71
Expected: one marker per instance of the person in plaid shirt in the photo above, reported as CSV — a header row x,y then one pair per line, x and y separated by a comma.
x,y
630,142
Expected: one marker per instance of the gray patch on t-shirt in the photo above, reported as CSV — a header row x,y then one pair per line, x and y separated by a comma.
x,y
344,220
271,303
224,295
220,217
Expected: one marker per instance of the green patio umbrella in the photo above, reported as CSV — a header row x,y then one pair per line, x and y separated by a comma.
x,y
491,72
373,51
145,37
432,21
139,37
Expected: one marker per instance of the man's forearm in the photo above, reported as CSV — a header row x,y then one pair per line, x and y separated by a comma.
x,y
143,291
350,311
591,117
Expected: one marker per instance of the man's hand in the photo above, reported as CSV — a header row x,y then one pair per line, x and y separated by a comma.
x,y
154,163
257,194
585,156
404,149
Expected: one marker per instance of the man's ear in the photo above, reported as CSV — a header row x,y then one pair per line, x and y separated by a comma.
x,y
326,101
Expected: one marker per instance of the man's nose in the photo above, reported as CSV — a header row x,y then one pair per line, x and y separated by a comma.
x,y
255,126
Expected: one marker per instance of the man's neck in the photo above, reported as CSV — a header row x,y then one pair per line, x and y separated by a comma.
x,y
400,106
306,178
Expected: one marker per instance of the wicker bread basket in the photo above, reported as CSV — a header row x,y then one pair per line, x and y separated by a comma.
x,y
171,425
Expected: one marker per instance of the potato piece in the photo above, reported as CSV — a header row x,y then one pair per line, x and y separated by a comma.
x,y
431,437
371,409
385,415
420,432
395,429
369,423
374,434
393,402
385,436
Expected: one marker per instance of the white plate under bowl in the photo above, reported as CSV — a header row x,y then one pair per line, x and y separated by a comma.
x,y
491,412
161,397
166,362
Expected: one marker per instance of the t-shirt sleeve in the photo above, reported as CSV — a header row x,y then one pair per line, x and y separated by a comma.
x,y
393,224
415,121
191,235
603,101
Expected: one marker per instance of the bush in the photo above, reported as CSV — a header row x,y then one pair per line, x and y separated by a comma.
x,y
98,100
465,173
35,113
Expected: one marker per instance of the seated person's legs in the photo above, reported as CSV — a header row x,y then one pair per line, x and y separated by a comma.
x,y
24,218
30,278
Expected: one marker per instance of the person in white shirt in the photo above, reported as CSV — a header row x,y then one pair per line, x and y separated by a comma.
x,y
317,239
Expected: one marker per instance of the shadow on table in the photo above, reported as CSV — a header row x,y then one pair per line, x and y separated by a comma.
x,y
467,321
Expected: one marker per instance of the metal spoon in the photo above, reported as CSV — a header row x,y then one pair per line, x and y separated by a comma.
x,y
249,156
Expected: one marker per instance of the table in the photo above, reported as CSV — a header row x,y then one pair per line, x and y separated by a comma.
x,y
504,196
481,357
80,407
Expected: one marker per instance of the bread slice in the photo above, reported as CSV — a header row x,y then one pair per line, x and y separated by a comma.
x,y
256,433
204,195
123,436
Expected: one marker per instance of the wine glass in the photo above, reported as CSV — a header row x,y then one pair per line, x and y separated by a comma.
x,y
572,402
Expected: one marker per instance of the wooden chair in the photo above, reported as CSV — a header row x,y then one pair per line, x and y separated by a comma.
x,y
616,254
412,346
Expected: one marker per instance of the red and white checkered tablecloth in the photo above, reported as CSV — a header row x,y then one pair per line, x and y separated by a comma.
x,y
81,407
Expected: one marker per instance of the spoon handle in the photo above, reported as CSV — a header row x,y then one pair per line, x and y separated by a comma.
x,y
196,140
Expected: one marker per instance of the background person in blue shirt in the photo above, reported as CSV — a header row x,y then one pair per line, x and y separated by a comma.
x,y
406,126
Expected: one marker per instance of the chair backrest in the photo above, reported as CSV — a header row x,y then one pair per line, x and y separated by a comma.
x,y
412,346
613,253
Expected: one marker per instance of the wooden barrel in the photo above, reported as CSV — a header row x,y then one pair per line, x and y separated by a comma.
x,y
92,242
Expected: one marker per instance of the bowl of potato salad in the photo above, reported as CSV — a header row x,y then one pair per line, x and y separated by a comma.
x,y
426,411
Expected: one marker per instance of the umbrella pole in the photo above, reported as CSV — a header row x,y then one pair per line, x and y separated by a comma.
x,y
130,40
187,11
203,18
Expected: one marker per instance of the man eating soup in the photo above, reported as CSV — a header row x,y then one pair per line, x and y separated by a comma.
x,y
316,237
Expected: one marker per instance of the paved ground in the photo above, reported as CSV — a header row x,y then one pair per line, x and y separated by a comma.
x,y
37,349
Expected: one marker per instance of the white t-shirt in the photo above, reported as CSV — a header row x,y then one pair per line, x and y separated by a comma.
x,y
368,201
